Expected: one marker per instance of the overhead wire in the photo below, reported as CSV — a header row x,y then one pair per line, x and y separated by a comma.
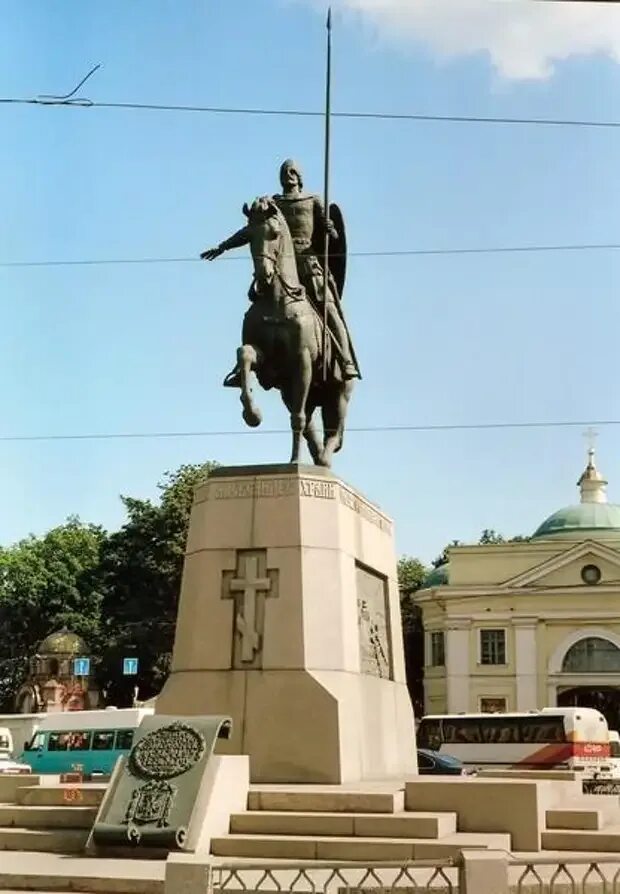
x,y
412,252
370,429
81,103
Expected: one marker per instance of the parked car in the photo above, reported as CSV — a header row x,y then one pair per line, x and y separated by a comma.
x,y
13,767
432,762
7,764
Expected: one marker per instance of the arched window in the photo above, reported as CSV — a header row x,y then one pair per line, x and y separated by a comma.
x,y
593,655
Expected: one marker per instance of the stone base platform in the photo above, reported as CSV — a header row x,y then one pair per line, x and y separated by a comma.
x,y
422,819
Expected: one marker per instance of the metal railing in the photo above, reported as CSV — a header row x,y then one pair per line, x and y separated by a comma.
x,y
571,875
437,876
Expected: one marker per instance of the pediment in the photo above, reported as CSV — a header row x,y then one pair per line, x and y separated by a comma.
x,y
565,568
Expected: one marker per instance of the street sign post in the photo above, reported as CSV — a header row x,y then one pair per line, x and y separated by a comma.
x,y
130,667
81,667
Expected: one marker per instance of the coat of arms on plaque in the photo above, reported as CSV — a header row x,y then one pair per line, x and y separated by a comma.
x,y
158,757
150,805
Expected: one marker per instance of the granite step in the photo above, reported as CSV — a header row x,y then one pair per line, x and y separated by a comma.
x,y
39,872
367,849
326,800
61,841
86,795
47,817
606,839
368,825
567,818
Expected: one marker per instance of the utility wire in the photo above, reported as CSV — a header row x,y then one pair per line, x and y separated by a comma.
x,y
78,103
477,426
414,252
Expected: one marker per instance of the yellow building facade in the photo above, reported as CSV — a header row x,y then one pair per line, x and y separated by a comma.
x,y
530,624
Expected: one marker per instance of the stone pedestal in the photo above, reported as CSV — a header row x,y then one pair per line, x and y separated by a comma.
x,y
289,622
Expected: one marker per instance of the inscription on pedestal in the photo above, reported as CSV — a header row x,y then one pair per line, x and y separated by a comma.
x,y
249,585
315,488
374,624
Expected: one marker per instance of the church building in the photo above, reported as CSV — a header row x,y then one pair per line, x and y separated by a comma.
x,y
530,624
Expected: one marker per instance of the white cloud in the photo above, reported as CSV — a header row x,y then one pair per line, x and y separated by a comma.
x,y
524,39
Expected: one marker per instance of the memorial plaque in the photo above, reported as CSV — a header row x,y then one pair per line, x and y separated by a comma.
x,y
153,791
374,625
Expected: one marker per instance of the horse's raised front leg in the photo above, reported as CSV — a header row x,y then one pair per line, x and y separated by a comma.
x,y
247,359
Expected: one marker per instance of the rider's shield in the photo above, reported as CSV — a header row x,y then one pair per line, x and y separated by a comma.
x,y
338,249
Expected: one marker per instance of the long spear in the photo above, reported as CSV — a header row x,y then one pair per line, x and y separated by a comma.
x,y
328,89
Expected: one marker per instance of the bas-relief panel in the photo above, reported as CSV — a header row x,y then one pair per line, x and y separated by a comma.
x,y
374,624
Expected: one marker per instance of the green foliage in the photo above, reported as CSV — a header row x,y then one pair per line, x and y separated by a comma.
x,y
490,536
46,583
411,573
444,555
140,575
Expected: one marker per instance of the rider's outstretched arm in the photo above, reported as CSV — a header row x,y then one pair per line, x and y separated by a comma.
x,y
238,239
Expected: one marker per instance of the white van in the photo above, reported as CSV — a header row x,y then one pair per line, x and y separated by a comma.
x,y
7,764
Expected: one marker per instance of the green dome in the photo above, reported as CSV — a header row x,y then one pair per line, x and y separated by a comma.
x,y
63,642
597,520
438,577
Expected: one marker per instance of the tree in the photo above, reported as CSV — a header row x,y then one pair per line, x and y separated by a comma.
x,y
47,583
444,556
489,535
141,569
411,573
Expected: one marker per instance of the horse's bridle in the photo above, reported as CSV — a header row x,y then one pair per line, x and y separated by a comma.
x,y
294,292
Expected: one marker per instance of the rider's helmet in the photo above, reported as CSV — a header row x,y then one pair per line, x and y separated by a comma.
x,y
289,165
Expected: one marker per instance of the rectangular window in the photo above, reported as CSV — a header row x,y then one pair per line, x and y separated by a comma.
x,y
492,705
492,646
438,652
58,742
429,734
79,741
103,740
124,738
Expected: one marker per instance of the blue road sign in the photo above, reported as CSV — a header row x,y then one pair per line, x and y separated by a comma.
x,y
81,667
130,667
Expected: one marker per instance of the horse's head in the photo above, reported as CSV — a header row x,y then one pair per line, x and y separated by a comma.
x,y
268,234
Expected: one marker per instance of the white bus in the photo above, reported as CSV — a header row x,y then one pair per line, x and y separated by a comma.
x,y
553,738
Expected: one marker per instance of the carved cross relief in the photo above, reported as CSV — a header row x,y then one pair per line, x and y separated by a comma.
x,y
249,586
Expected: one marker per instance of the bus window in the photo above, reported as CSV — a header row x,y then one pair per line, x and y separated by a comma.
x,y
461,731
124,738
429,735
614,748
79,741
37,742
541,730
58,742
5,743
103,740
499,730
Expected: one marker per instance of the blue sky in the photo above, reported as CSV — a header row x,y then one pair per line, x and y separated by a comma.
x,y
442,340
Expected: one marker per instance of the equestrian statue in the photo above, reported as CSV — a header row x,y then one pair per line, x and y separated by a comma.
x,y
294,335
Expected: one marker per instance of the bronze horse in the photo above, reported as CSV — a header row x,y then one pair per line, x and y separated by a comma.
x,y
282,339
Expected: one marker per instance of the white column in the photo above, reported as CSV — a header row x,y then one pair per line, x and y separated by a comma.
x,y
457,668
526,664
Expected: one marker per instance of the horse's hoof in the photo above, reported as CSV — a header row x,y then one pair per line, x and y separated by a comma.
x,y
253,418
324,461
